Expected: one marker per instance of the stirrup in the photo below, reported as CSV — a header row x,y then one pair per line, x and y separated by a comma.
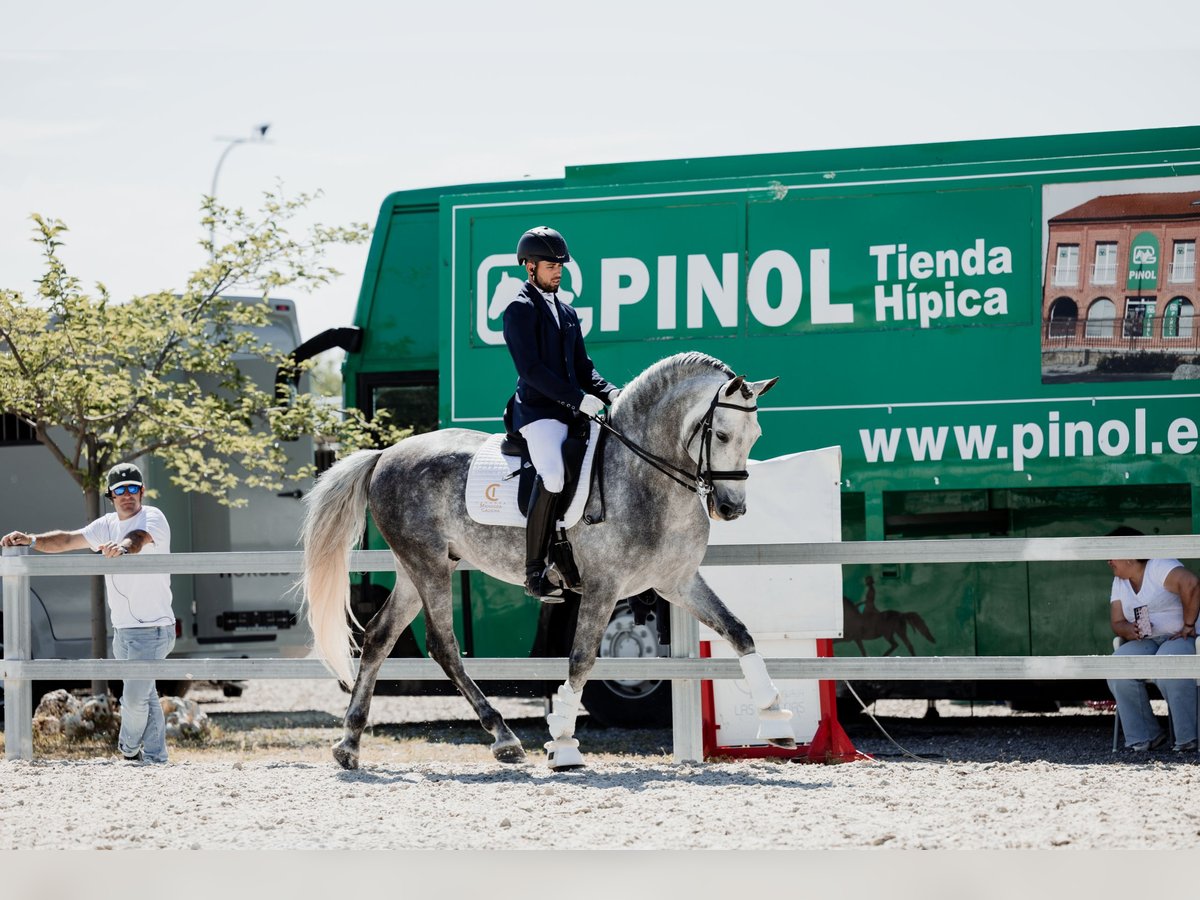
x,y
556,577
541,588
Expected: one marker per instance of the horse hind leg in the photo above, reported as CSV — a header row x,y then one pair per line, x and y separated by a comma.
x,y
382,632
442,646
774,722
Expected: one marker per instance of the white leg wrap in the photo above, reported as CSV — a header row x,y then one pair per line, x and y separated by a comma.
x,y
762,688
774,723
564,710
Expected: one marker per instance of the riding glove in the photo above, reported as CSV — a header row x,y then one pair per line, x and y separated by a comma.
x,y
591,406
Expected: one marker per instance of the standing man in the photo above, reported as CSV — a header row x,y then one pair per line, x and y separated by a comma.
x,y
140,605
556,383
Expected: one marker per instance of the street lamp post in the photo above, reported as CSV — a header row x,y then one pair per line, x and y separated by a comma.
x,y
257,136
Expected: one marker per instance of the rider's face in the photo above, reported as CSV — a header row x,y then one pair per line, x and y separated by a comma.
x,y
547,275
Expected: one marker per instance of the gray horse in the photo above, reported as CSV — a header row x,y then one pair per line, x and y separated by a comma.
x,y
689,411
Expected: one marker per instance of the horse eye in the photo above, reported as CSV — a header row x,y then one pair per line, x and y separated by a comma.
x,y
722,437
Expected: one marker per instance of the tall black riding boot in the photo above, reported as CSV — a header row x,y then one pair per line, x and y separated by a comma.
x,y
539,526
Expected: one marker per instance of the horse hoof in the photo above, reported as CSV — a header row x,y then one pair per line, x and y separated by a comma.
x,y
508,751
347,758
775,727
563,754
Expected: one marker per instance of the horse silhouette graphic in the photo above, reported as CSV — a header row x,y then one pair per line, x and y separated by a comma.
x,y
871,623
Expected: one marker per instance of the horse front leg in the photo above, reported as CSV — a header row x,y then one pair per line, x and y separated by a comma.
x,y
595,610
774,722
382,632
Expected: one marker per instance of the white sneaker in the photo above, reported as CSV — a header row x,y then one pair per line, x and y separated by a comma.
x,y
1154,744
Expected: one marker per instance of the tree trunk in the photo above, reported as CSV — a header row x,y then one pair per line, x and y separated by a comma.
x,y
91,501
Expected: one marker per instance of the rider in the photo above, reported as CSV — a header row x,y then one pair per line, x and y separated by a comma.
x,y
556,383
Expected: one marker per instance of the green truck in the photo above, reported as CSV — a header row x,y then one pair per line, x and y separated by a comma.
x,y
1000,335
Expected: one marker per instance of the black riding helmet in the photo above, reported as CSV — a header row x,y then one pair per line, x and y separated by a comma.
x,y
542,244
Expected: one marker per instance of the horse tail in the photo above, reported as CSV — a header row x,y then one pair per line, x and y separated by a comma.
x,y
918,623
334,520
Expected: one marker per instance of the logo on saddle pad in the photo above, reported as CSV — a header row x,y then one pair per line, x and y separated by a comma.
x,y
493,479
492,502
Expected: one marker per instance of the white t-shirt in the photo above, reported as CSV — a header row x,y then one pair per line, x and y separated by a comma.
x,y
136,601
1166,609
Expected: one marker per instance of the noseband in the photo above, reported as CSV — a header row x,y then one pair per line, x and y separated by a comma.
x,y
701,481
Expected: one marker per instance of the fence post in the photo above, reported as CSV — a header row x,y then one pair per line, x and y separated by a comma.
x,y
685,693
18,645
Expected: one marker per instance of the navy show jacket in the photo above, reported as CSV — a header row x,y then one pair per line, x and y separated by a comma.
x,y
553,368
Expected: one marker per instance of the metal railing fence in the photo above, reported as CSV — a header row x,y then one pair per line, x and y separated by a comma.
x,y
1162,334
684,667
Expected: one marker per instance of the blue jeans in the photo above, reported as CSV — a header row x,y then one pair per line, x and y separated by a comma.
x,y
142,723
1133,703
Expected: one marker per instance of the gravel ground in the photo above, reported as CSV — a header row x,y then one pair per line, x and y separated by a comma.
x,y
986,778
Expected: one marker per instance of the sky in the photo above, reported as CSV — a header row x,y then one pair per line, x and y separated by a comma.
x,y
113,116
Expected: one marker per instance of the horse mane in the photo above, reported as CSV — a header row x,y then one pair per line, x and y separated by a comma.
x,y
674,369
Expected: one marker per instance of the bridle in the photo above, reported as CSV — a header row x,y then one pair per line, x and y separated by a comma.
x,y
701,481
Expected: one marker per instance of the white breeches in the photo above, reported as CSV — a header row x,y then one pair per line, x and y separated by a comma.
x,y
545,439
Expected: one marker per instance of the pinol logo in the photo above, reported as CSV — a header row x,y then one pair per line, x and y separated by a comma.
x,y
496,285
1144,256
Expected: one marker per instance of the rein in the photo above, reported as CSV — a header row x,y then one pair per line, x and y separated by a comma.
x,y
698,482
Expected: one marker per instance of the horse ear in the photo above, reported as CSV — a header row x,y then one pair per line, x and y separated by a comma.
x,y
761,387
734,385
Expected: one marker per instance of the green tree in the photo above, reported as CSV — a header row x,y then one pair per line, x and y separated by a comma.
x,y
325,378
105,382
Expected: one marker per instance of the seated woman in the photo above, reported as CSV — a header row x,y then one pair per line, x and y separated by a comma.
x,y
1154,606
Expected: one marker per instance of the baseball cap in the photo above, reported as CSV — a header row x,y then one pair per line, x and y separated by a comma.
x,y
123,473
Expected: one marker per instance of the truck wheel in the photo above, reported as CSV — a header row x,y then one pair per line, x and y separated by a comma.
x,y
629,703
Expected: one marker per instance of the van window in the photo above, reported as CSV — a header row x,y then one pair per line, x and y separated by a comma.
x,y
410,397
14,431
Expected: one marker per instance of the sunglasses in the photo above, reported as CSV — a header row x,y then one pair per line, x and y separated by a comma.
x,y
131,489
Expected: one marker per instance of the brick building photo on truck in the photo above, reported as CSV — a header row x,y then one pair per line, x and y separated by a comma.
x,y
1120,291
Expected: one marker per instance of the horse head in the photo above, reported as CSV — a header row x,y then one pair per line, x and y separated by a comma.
x,y
726,430
701,420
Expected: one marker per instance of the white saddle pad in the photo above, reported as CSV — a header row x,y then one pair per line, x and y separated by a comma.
x,y
492,495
